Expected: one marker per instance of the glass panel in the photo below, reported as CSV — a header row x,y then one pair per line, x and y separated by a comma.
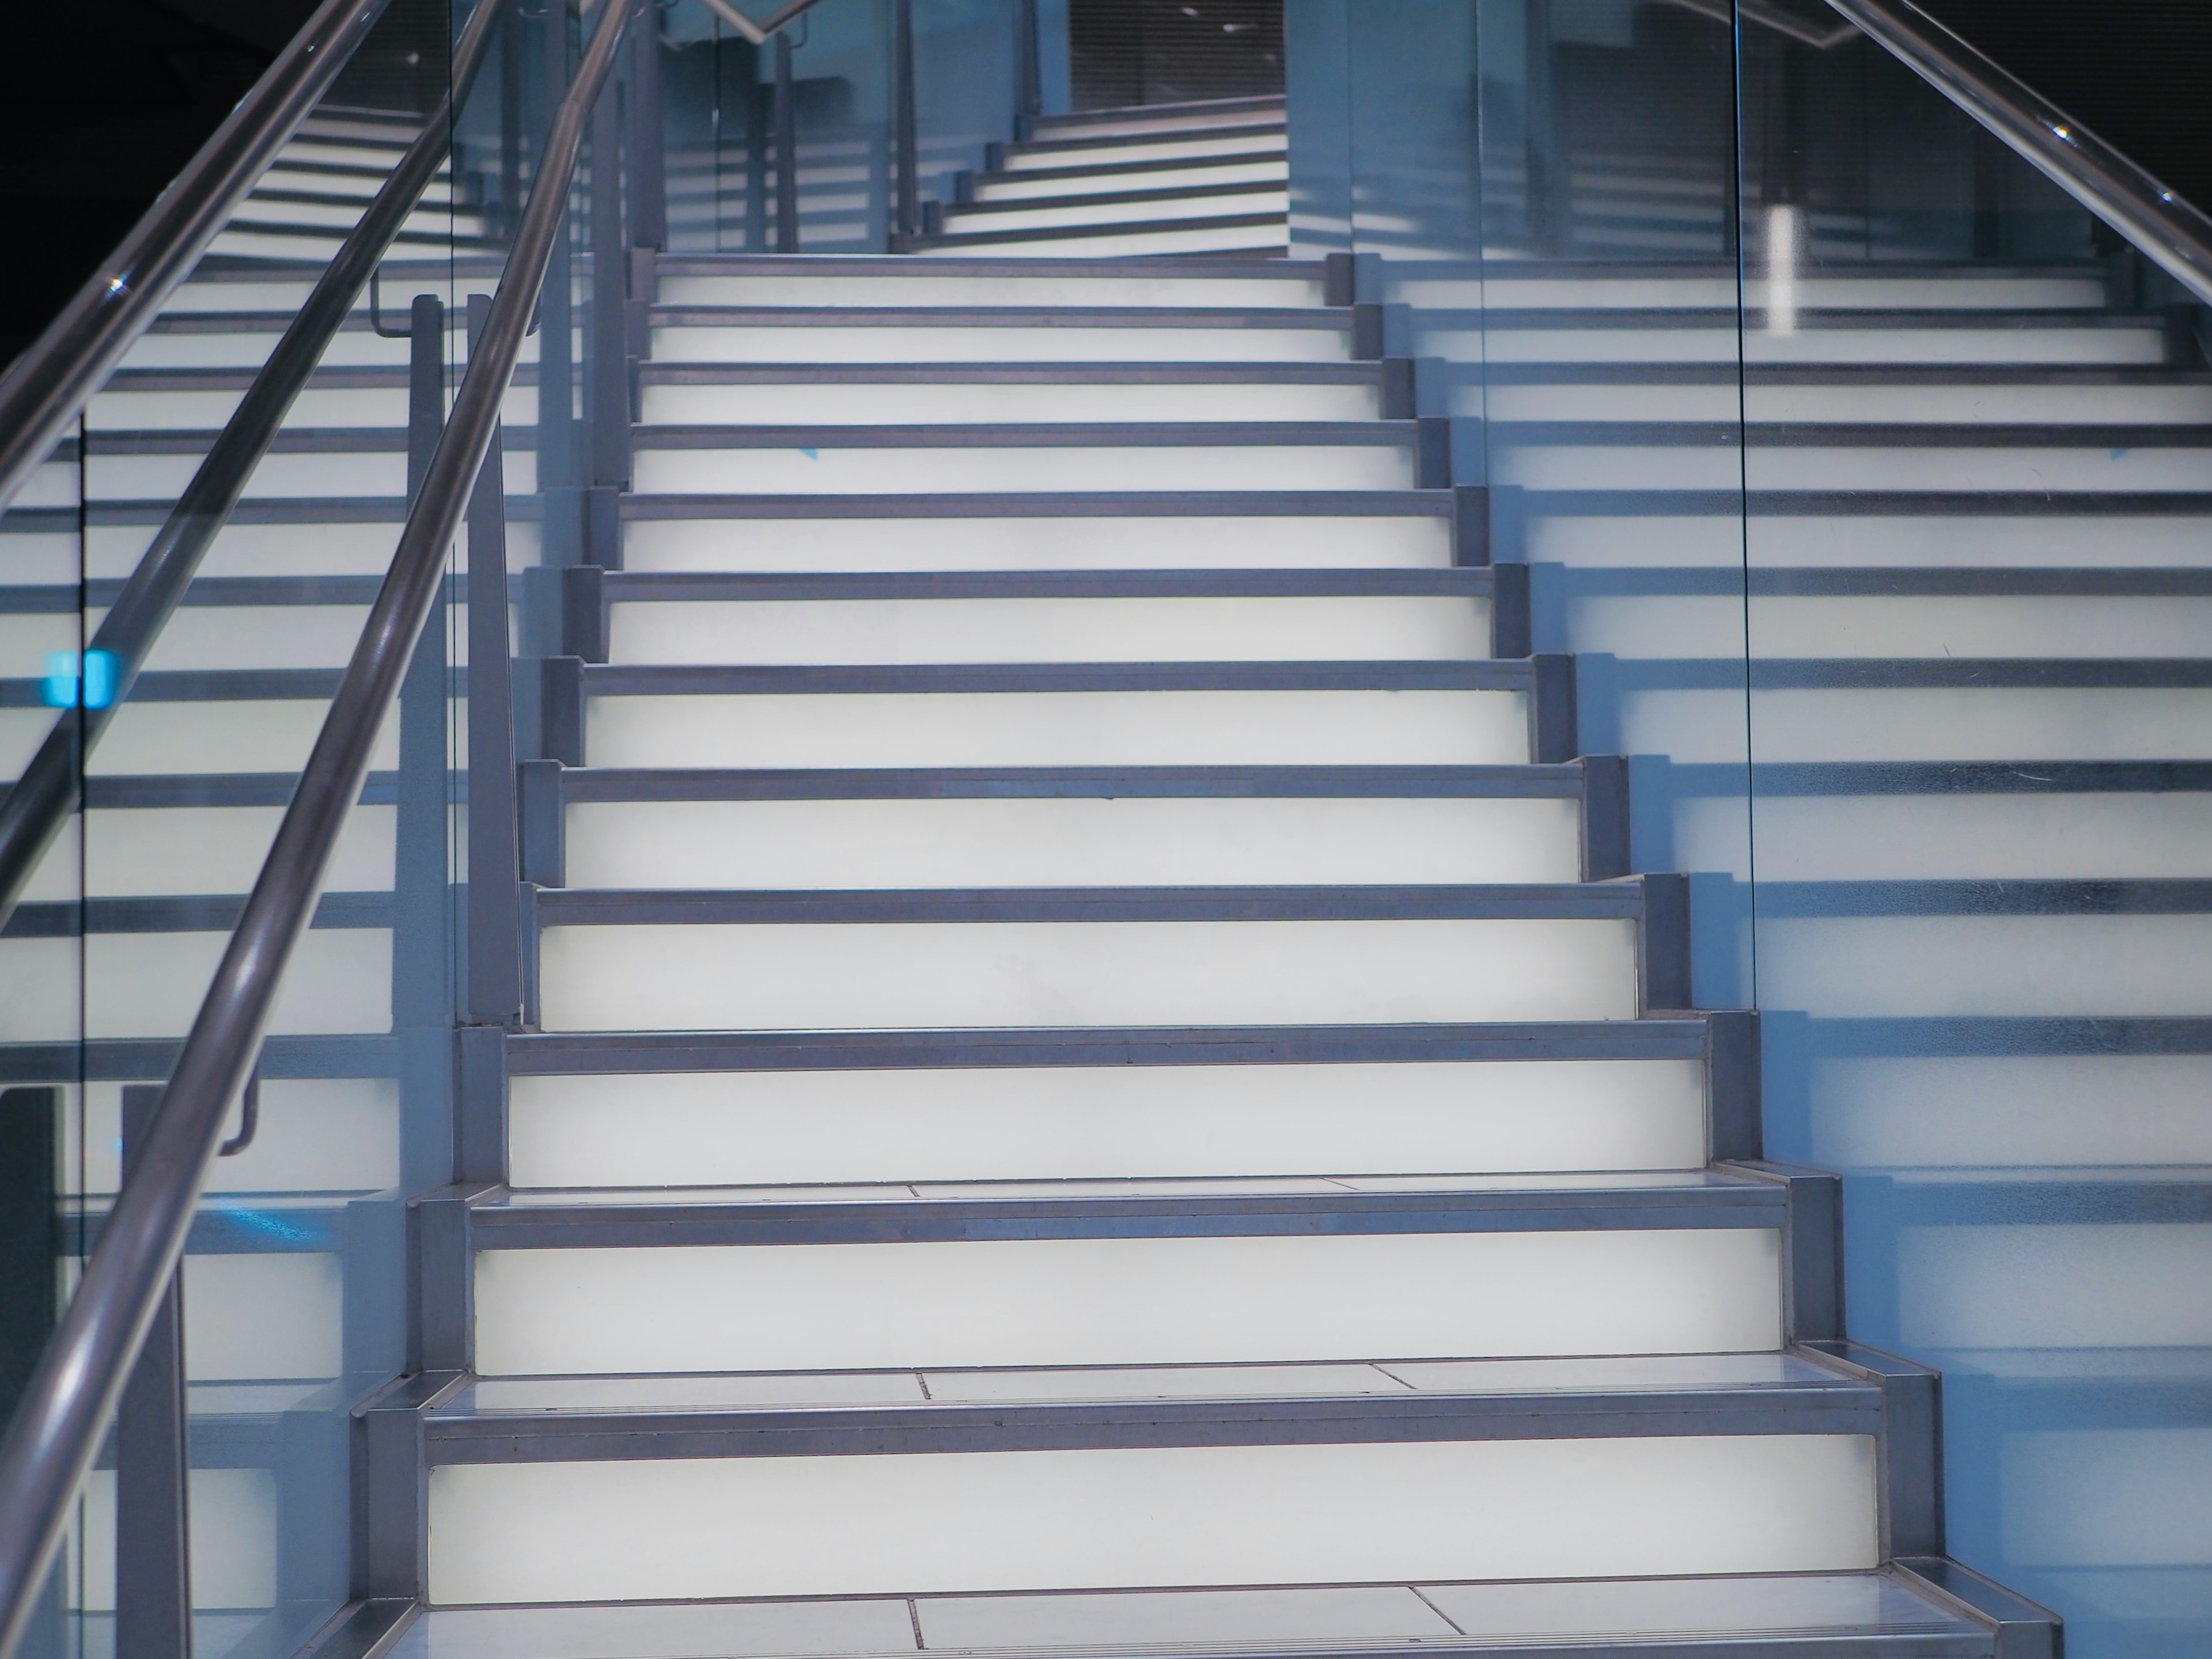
x,y
720,113
293,1291
1979,607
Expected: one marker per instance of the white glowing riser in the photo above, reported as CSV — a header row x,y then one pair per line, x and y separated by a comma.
x,y
149,985
883,404
249,350
1104,1123
991,471
1960,293
363,184
255,214
1194,122
1214,1514
2018,837
1162,212
953,974
1157,150
1685,345
314,1135
373,158
287,477
1952,625
1950,965
1061,728
1905,405
144,408
1015,842
1046,288
1897,536
1017,188
1363,629
1940,725
1904,466
1265,239
1127,1301
168,738
822,343
1228,543
130,851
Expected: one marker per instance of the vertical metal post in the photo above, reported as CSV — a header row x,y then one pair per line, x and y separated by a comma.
x,y
786,151
609,382
30,1249
907,217
1030,69
648,183
557,439
418,940
1545,186
510,123
495,915
153,1551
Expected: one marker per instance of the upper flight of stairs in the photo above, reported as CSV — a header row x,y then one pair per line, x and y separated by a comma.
x,y
1207,178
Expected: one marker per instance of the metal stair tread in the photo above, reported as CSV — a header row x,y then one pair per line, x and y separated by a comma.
x,y
1032,434
623,587
832,1414
1485,674
570,907
831,266
568,1218
1041,504
1336,317
673,372
955,238
1136,196
1868,1615
550,1052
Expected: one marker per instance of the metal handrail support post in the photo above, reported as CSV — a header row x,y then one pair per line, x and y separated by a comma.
x,y
2168,229
1030,102
647,177
907,217
495,901
786,151
56,1434
35,810
558,463
607,409
45,388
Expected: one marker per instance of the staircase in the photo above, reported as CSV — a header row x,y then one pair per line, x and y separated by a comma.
x,y
1202,178
1098,1078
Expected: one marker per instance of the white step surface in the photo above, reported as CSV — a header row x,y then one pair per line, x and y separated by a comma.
x,y
824,283
875,975
1121,1301
1061,1520
1102,1122
702,342
1344,628
1061,728
984,470
1017,842
894,404
1192,542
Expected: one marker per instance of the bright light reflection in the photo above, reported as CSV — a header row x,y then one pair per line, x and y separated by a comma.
x,y
1781,269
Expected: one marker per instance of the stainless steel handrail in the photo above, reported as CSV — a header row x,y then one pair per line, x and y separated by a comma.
x,y
2173,234
41,799
759,34
46,387
80,1377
